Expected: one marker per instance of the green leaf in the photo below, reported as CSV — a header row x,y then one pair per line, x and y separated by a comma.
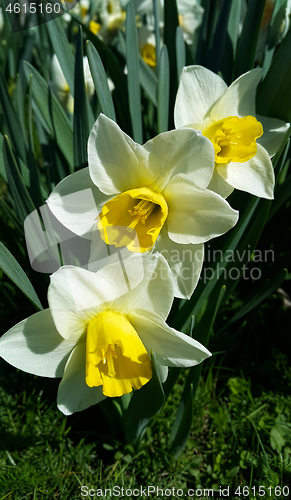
x,y
34,184
144,404
81,127
157,32
100,81
247,44
15,272
220,56
2,166
111,64
182,423
148,80
181,51
233,23
192,307
283,192
171,21
276,22
62,50
10,214
22,201
163,91
132,61
206,33
259,294
12,122
274,93
53,116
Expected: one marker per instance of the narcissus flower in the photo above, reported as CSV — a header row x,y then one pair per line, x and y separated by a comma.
x,y
150,194
98,333
243,142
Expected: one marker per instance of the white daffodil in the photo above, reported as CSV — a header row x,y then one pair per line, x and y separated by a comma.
x,y
60,86
98,334
189,11
147,46
243,141
139,193
112,18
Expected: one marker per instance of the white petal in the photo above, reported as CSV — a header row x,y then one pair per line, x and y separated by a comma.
x,y
255,176
183,151
76,295
74,394
274,132
172,348
185,262
196,215
198,91
35,346
240,97
155,291
76,202
116,162
219,186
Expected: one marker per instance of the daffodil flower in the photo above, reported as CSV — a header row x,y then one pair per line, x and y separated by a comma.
x,y
147,195
98,334
243,142
61,88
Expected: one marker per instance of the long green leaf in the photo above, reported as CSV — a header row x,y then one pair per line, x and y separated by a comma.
x,y
15,272
132,60
111,64
2,166
148,80
100,81
171,21
62,50
34,184
144,404
247,44
283,193
220,56
191,307
12,122
274,93
53,116
258,295
22,201
81,127
180,51
163,91
182,424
